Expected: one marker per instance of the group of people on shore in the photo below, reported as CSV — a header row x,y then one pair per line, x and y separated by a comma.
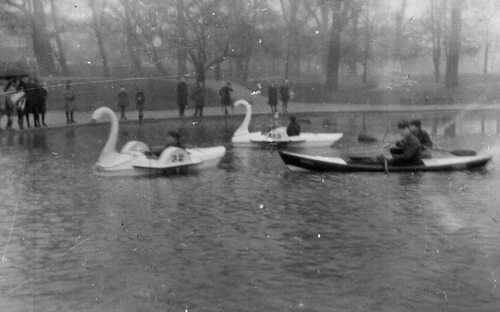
x,y
198,96
25,96
285,94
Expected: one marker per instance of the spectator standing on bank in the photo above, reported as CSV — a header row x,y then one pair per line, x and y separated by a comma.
x,y
69,100
140,99
42,94
225,96
182,95
122,101
272,97
30,98
285,95
199,99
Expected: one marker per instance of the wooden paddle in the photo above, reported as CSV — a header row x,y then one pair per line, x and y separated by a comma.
x,y
459,152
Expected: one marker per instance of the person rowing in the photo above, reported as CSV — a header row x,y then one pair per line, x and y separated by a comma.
x,y
407,151
422,136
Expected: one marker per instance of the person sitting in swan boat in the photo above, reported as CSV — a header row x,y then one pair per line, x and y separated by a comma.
x,y
173,140
293,128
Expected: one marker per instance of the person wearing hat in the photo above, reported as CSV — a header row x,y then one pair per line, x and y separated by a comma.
x,y
293,128
225,96
407,150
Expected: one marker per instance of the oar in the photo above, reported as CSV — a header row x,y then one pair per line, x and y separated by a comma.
x,y
459,152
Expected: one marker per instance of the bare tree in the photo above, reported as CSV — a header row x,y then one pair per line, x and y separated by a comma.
x,y
34,15
97,23
128,12
340,18
452,60
437,19
181,38
398,31
61,52
290,11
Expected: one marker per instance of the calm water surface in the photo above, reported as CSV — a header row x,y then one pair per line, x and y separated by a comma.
x,y
249,235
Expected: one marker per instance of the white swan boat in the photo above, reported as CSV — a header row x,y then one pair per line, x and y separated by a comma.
x,y
242,137
135,157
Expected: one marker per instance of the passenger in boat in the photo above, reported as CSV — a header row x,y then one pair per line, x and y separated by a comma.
x,y
422,135
407,150
173,140
293,127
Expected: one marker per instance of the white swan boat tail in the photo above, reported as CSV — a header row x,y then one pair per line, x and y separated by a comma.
x,y
242,137
135,158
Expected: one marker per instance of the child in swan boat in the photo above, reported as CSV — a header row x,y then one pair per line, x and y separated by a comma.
x,y
293,128
173,140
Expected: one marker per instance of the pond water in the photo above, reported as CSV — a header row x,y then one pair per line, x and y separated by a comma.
x,y
248,235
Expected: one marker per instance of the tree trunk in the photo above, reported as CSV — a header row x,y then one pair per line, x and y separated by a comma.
x,y
367,45
100,40
451,78
333,59
398,31
436,33
61,52
353,58
181,32
41,42
132,41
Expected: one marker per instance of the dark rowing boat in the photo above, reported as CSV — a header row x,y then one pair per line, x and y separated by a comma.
x,y
297,161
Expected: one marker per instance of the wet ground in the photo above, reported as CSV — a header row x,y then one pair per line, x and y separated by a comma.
x,y
248,235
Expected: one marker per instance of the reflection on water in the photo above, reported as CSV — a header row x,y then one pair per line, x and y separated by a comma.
x,y
248,235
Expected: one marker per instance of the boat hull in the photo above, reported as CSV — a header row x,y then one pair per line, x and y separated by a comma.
x,y
200,158
257,139
296,161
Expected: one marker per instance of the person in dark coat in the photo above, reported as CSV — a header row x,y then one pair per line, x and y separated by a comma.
x,y
407,150
422,135
140,99
272,97
41,103
182,96
29,88
69,106
10,106
122,101
285,95
225,96
43,94
199,99
293,128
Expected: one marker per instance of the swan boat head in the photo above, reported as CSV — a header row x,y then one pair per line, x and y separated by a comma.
x,y
243,128
110,159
